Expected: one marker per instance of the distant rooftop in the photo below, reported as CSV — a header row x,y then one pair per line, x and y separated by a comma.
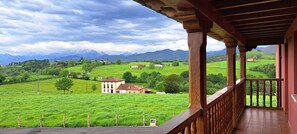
x,y
113,80
130,87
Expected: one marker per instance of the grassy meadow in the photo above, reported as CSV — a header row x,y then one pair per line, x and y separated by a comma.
x,y
22,98
212,68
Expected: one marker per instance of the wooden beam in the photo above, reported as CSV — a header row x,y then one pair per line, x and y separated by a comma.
x,y
265,26
292,29
265,32
264,35
206,8
223,4
264,20
264,23
264,29
266,41
265,7
275,13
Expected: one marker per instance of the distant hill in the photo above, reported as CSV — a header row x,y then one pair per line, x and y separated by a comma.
x,y
269,49
163,55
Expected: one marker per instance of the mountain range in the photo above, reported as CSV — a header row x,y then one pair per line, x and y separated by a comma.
x,y
163,55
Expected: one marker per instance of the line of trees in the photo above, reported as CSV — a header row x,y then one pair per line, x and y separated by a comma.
x,y
174,83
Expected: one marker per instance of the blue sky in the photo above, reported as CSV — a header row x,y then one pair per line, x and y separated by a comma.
x,y
110,26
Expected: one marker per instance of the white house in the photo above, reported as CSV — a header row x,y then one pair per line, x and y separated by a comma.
x,y
159,65
250,60
110,85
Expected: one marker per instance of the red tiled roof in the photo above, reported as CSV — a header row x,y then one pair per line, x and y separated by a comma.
x,y
113,80
130,87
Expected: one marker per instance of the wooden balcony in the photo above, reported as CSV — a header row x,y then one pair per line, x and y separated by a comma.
x,y
262,121
227,112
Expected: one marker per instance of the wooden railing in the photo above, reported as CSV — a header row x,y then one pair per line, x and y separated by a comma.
x,y
222,112
185,123
264,92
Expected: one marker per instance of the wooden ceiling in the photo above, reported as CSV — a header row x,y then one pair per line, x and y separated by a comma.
x,y
251,22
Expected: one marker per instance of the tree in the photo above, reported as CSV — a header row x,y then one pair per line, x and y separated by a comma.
x,y
64,73
173,83
129,77
185,75
64,84
119,62
2,78
71,63
24,76
87,66
94,87
175,63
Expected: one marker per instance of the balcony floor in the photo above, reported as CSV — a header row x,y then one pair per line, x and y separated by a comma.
x,y
262,121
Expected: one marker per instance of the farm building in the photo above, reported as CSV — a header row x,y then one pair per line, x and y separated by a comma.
x,y
131,88
110,85
140,66
250,60
159,65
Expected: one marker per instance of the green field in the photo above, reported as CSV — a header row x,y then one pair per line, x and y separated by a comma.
x,y
212,68
22,98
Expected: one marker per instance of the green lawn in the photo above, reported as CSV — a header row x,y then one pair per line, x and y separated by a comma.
x,y
47,87
212,68
102,108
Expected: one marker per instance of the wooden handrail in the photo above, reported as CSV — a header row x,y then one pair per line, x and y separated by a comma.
x,y
264,78
218,113
180,122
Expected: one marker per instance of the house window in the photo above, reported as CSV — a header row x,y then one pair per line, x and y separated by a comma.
x,y
107,85
103,85
111,86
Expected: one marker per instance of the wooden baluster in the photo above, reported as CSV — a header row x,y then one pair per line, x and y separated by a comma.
x,y
278,93
187,130
264,92
193,127
257,82
270,93
211,120
251,93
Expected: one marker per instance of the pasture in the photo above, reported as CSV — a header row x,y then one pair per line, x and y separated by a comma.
x,y
212,68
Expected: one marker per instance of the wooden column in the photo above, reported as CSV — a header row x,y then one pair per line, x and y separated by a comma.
x,y
197,34
197,69
242,61
231,59
231,73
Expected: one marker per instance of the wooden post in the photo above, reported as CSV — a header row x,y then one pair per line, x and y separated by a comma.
x,y
19,121
197,75
197,30
64,121
242,51
117,120
40,121
143,118
242,61
231,59
88,120
231,72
